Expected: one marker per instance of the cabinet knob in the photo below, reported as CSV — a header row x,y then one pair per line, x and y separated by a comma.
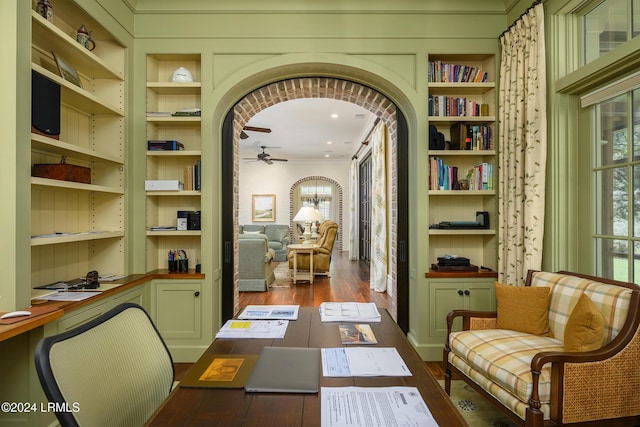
x,y
467,292
460,292
196,293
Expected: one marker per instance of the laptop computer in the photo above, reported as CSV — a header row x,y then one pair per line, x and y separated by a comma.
x,y
286,370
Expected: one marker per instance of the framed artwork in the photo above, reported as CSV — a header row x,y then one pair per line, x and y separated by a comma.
x,y
263,207
66,71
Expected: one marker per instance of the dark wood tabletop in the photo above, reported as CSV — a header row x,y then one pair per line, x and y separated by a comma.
x,y
235,407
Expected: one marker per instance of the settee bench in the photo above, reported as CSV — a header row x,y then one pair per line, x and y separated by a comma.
x,y
583,370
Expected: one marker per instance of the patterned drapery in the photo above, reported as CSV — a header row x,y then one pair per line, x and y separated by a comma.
x,y
523,147
379,243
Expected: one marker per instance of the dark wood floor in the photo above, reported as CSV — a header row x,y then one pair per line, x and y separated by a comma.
x,y
349,281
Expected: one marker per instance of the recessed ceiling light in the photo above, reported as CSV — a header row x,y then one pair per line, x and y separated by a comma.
x,y
329,142
334,116
327,155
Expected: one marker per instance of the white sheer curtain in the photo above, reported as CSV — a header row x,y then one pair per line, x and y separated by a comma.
x,y
353,211
523,147
378,268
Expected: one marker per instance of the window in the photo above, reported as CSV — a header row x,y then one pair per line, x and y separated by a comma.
x,y
614,108
318,194
617,186
608,25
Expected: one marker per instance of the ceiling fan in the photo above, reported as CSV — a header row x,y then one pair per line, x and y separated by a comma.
x,y
243,134
265,157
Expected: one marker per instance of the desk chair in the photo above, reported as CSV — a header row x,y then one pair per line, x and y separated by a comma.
x,y
114,370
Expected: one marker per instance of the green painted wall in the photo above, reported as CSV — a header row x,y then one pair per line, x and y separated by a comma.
x,y
245,45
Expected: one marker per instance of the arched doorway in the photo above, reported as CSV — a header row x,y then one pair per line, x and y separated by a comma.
x,y
321,87
335,203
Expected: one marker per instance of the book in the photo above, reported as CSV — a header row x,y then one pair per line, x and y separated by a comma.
x,y
352,333
220,370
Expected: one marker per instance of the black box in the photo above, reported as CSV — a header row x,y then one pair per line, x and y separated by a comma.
x,y
193,220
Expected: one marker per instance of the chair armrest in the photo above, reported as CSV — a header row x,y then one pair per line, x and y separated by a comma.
x,y
468,317
573,372
285,241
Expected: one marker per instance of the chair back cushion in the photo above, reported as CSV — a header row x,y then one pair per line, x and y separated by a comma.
x,y
612,301
116,368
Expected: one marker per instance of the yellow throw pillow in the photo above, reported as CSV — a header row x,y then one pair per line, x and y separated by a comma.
x,y
585,328
523,309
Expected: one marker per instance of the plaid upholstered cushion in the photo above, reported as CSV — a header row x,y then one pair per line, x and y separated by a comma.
x,y
504,358
612,301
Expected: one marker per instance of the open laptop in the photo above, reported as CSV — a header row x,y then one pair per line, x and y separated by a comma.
x,y
286,370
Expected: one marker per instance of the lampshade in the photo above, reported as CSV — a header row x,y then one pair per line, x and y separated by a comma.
x,y
307,214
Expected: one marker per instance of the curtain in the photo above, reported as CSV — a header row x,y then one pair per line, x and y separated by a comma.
x,y
379,245
353,211
523,147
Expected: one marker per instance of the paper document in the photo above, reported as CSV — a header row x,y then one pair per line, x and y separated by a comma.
x,y
253,329
363,362
374,406
272,312
349,312
70,296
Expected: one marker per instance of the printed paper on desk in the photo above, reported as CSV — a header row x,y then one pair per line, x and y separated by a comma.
x,y
400,406
271,312
253,329
349,312
363,362
71,296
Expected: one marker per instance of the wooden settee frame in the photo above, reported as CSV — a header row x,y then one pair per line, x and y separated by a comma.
x,y
572,374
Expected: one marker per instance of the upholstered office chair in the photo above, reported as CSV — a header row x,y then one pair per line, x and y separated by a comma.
x,y
114,370
327,233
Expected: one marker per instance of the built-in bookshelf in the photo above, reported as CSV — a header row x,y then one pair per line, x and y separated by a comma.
x,y
77,226
173,115
463,178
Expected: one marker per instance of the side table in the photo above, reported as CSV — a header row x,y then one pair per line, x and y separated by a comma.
x,y
302,248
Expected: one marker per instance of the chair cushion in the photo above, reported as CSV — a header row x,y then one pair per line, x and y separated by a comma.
x,y
523,308
504,357
585,327
612,301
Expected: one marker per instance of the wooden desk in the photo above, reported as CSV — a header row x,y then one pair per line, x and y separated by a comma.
x,y
302,248
234,407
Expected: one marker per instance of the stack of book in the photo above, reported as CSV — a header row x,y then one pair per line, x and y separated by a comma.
x,y
455,73
470,137
453,106
193,177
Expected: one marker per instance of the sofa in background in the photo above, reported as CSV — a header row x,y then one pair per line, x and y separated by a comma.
x,y
563,350
277,236
255,266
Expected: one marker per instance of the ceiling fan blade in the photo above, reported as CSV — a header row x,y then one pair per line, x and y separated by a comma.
x,y
257,129
279,160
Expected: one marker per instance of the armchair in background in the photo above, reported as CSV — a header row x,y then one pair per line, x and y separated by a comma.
x,y
327,233
255,267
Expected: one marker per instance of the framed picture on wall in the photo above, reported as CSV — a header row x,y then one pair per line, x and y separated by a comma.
x,y
263,207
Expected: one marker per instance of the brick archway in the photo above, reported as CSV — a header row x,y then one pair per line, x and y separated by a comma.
x,y
330,88
341,231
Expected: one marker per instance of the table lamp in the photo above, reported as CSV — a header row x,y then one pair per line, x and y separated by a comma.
x,y
307,214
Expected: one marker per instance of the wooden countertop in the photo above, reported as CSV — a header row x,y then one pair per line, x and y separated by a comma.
x,y
61,307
